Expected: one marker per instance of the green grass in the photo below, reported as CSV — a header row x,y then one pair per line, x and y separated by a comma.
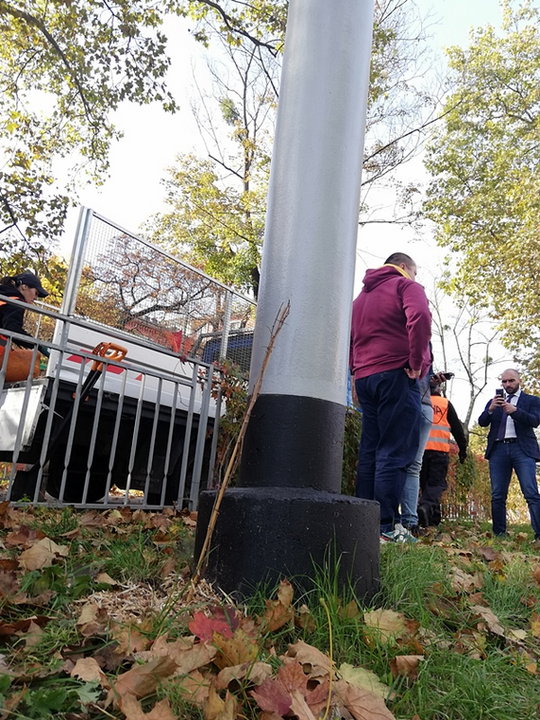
x,y
467,673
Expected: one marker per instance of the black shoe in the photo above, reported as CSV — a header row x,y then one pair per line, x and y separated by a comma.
x,y
423,516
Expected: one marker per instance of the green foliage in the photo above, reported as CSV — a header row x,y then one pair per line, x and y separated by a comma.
x,y
485,192
65,67
351,443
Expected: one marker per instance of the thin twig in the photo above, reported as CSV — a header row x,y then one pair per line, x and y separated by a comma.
x,y
281,316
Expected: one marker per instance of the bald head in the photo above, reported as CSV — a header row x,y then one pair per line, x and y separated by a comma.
x,y
510,380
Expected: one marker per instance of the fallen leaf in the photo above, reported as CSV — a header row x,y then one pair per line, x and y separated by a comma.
x,y
361,704
92,620
464,582
490,618
315,663
350,611
193,687
105,579
217,709
406,666
88,670
238,649
536,574
133,711
130,640
535,625
140,680
255,673
42,554
304,619
279,612
187,654
33,635
272,696
386,625
204,626
23,537
362,678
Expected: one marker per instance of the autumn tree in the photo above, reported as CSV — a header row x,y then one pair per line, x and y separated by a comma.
x,y
217,205
64,67
485,192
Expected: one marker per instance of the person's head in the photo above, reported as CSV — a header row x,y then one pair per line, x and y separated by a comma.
x,y
510,380
403,261
29,286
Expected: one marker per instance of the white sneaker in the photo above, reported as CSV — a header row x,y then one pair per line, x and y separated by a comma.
x,y
399,534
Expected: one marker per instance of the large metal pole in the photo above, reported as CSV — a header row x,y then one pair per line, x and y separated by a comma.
x,y
291,464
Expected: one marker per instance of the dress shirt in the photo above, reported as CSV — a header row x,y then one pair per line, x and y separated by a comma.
x,y
510,427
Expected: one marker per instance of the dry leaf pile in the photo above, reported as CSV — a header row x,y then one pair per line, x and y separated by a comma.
x,y
134,650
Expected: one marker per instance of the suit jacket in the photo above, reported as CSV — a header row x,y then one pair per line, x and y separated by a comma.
x,y
526,417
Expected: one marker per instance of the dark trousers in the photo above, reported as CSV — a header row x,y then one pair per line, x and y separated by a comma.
x,y
432,485
391,414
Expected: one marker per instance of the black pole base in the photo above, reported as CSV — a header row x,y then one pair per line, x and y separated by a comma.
x,y
263,535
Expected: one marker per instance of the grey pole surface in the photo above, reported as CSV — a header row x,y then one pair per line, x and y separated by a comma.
x,y
291,463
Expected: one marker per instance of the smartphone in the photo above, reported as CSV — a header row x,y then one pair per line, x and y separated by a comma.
x,y
499,392
447,375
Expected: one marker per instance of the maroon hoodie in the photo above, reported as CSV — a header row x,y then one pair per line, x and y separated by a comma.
x,y
391,324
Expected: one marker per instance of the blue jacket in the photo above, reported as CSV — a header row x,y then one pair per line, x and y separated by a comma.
x,y
526,417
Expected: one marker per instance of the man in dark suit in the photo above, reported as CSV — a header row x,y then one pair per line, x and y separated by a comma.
x,y
512,445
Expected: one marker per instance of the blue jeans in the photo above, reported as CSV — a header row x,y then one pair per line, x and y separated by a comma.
x,y
504,458
391,413
409,495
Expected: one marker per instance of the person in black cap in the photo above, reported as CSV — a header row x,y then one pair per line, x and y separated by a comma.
x,y
25,287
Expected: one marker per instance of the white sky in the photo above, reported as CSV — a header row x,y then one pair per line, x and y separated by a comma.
x,y
152,139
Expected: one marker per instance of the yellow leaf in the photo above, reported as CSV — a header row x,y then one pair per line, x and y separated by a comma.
x,y
387,624
364,679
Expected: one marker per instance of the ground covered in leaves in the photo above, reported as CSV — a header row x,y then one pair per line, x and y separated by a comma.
x,y
99,621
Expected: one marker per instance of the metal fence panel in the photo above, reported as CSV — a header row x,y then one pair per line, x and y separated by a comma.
x,y
145,433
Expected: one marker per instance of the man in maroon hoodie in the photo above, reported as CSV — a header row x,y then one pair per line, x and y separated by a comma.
x,y
390,334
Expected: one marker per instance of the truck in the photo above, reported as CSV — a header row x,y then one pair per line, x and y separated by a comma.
x,y
145,427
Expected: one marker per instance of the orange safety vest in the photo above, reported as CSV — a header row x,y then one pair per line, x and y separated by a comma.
x,y
439,435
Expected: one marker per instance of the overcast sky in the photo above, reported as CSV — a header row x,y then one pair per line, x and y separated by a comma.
x,y
152,139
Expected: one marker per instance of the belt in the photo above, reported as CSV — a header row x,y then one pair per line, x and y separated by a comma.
x,y
507,440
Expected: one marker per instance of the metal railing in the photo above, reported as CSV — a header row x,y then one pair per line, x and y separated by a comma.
x,y
145,432
141,435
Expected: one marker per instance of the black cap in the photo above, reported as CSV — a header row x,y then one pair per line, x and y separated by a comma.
x,y
28,278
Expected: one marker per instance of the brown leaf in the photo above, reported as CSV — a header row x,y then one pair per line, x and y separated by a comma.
x,y
217,709
238,649
193,687
536,574
487,553
141,680
42,554
104,578
33,635
130,640
304,619
315,663
350,611
88,670
464,582
23,537
386,625
279,612
490,618
406,666
361,704
22,626
256,673
187,654
133,711
92,620
535,625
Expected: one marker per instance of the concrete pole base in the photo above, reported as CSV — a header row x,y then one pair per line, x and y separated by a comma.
x,y
263,535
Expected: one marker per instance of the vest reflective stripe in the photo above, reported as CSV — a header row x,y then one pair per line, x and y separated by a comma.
x,y
439,435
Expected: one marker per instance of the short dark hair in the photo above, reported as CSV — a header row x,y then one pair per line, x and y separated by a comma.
x,y
399,257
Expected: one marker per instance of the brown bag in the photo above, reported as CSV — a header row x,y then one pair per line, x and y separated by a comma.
x,y
19,364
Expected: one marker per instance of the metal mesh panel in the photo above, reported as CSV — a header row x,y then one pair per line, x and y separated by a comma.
x,y
134,286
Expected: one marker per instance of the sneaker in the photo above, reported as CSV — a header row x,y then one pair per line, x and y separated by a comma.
x,y
399,534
